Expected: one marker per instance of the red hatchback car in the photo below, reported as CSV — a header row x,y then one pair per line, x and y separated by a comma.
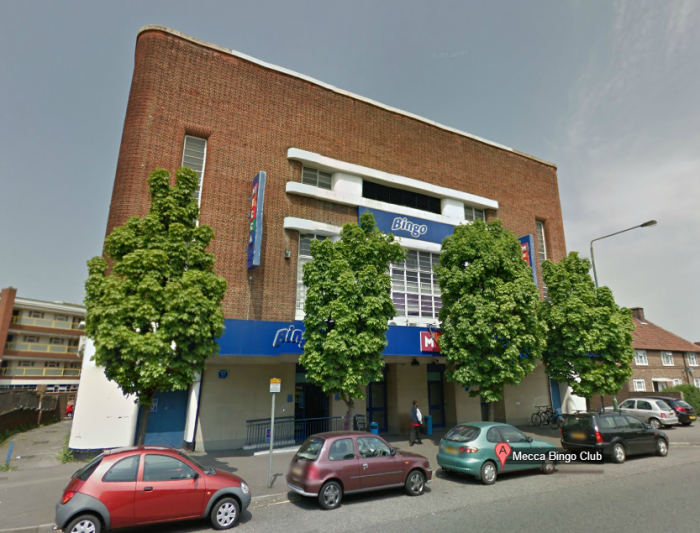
x,y
330,465
148,484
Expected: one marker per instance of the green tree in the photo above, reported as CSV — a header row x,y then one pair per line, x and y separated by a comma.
x,y
153,301
348,308
691,394
589,338
492,336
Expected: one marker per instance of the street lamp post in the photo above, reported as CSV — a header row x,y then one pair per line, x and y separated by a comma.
x,y
595,276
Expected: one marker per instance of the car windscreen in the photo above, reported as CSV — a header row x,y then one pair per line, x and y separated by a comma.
x,y
310,449
206,469
463,433
85,472
578,422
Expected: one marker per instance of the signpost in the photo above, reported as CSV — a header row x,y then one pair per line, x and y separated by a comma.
x,y
275,387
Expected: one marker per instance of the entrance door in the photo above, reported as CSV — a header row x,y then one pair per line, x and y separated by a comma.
x,y
310,408
436,395
166,421
376,403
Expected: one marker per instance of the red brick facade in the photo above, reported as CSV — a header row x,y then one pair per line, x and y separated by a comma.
x,y
251,115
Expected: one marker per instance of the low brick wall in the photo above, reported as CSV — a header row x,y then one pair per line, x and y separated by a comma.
x,y
594,403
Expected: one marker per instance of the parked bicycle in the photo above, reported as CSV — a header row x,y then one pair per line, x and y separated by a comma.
x,y
545,415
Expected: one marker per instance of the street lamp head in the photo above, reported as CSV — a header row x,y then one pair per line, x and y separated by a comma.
x,y
648,223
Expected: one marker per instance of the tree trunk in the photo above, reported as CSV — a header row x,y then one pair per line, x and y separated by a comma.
x,y
350,420
490,411
144,411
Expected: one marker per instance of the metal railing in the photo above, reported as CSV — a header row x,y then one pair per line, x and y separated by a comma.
x,y
12,400
45,323
40,372
40,347
289,431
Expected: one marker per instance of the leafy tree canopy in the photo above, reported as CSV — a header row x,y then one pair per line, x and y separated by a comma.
x,y
153,302
589,339
492,336
348,306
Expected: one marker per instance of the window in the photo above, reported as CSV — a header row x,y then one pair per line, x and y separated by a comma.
x,y
541,245
692,359
696,382
639,385
644,405
165,468
193,156
667,358
473,213
511,434
634,423
627,404
392,195
72,365
84,473
677,382
317,178
52,364
304,257
341,450
640,357
124,470
56,340
606,422
463,433
622,421
61,318
36,314
25,363
31,338
414,287
372,447
663,405
493,436
311,448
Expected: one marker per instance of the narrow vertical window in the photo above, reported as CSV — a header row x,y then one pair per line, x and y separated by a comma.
x,y
303,258
541,246
193,156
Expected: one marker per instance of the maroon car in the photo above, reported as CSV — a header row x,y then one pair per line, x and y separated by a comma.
x,y
148,484
330,465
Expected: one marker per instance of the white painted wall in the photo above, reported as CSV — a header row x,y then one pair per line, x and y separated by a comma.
x,y
347,184
103,417
452,208
570,403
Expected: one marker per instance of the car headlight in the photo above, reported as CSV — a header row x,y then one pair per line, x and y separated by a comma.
x,y
245,488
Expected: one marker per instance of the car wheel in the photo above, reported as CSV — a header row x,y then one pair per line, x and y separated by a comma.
x,y
548,467
85,523
488,473
654,422
661,448
330,495
225,514
415,483
619,454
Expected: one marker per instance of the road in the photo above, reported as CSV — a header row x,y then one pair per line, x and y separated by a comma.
x,y
646,494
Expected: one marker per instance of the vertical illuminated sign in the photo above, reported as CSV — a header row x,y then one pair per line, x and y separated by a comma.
x,y
255,220
527,246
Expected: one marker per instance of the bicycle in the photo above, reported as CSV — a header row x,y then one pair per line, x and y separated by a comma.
x,y
545,415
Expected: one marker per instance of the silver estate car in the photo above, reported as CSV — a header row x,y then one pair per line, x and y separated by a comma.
x,y
655,412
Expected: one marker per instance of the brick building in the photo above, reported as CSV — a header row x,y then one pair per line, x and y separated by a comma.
x,y
39,343
327,155
662,359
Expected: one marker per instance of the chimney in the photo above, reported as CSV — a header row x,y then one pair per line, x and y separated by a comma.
x,y
638,313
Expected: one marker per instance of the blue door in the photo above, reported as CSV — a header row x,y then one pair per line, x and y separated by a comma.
x,y
436,395
376,403
556,397
166,421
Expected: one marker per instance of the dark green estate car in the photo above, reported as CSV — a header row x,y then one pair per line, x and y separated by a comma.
x,y
470,448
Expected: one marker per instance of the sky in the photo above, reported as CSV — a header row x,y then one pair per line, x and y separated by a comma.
x,y
606,90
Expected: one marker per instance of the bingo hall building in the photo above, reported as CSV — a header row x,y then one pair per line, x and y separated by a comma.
x,y
311,157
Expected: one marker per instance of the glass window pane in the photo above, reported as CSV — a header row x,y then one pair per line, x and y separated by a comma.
x,y
468,213
424,262
479,213
124,470
165,468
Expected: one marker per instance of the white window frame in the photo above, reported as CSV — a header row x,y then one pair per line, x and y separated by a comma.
x,y
692,358
677,381
473,213
312,176
35,314
52,364
419,283
696,382
25,364
61,318
639,385
541,241
200,174
58,341
301,260
640,358
664,355
31,339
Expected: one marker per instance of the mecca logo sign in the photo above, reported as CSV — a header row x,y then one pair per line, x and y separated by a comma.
x,y
403,224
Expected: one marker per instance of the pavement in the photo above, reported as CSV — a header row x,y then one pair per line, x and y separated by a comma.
x,y
29,492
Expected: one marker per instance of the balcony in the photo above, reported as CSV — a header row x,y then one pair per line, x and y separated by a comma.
x,y
21,372
45,323
41,347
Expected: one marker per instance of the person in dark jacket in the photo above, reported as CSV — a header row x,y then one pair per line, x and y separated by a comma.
x,y
416,421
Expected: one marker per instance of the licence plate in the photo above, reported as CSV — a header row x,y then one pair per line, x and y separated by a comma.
x,y
452,450
578,435
298,470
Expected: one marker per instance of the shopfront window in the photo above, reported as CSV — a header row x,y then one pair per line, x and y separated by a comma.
x,y
414,287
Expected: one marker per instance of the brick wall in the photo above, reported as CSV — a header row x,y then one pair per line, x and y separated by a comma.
x,y
594,403
656,369
251,116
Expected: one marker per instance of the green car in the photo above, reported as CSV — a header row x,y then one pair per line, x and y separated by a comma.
x,y
470,448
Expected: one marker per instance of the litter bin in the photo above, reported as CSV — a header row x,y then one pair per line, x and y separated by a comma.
x,y
428,425
374,428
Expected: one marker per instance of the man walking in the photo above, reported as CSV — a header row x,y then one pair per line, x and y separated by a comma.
x,y
416,421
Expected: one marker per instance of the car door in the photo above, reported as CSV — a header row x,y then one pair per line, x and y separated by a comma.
x,y
627,407
168,489
518,442
378,467
625,433
343,460
644,439
644,411
118,490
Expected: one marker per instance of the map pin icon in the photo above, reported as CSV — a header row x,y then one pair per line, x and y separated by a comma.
x,y
503,450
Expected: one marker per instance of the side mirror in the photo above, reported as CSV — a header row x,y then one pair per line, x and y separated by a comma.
x,y
530,439
393,452
196,476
